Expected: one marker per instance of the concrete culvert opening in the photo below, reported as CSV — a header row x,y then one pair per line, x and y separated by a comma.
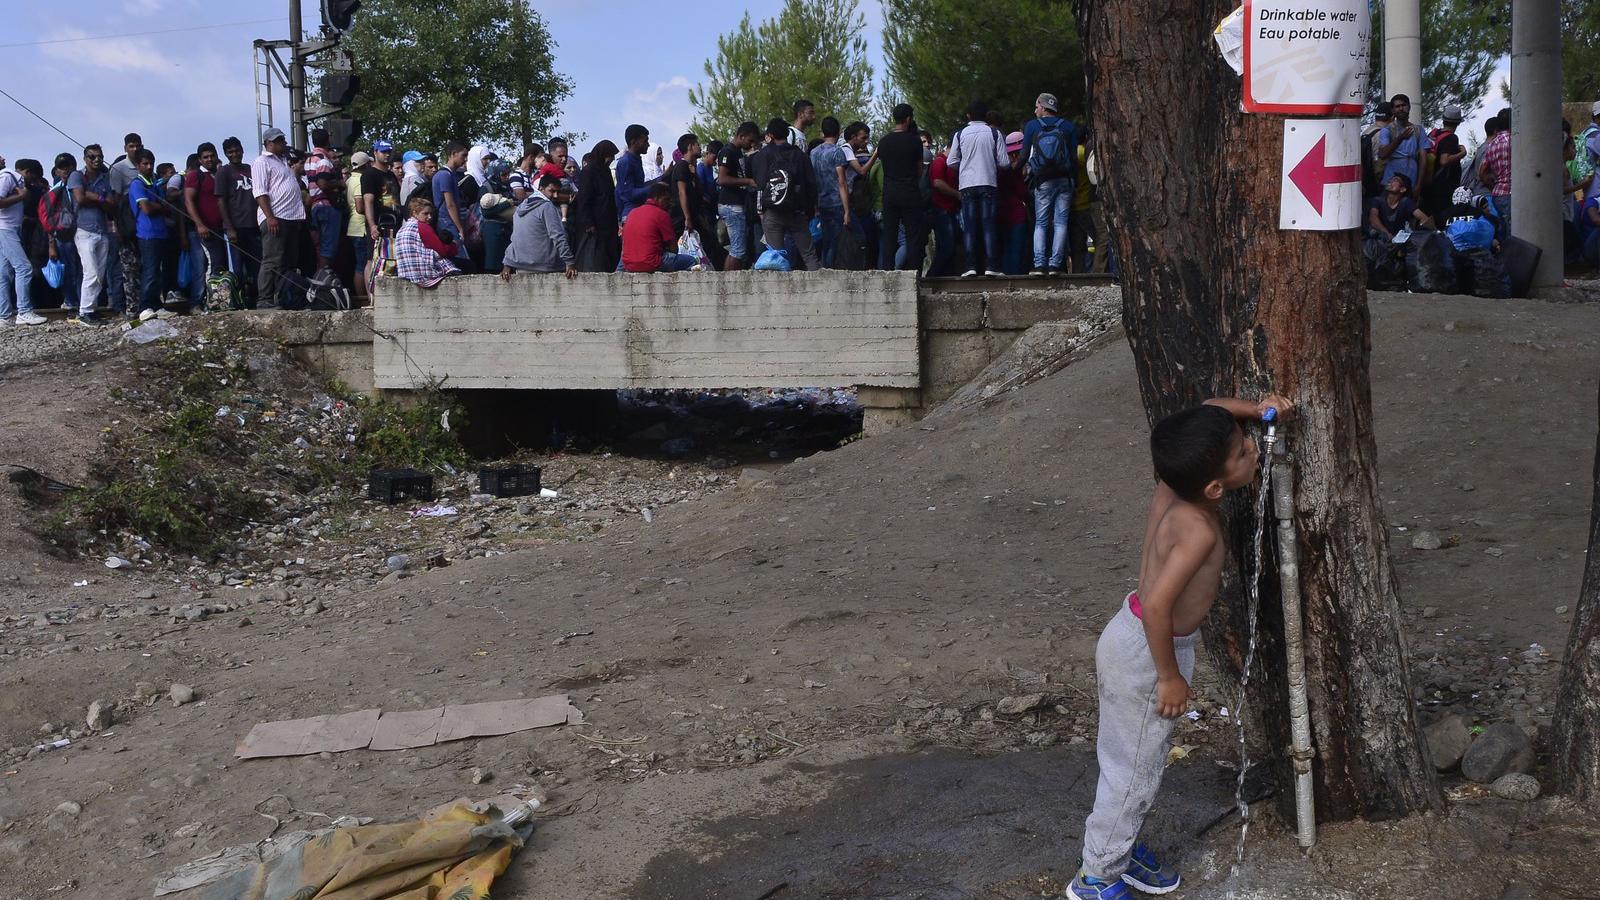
x,y
727,428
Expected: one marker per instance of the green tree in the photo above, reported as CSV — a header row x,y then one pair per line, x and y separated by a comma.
x,y
1580,51
486,73
812,50
941,54
1462,41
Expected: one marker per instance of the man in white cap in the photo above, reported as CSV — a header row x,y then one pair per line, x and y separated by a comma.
x,y
1447,155
281,212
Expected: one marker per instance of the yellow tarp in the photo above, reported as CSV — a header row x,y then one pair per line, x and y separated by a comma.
x,y
455,855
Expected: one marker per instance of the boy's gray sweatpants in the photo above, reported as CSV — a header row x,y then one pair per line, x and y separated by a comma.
x,y
1132,744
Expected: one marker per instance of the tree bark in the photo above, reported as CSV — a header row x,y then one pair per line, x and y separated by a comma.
x,y
1577,718
1218,301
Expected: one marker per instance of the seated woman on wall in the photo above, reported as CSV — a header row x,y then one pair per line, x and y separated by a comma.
x,y
421,256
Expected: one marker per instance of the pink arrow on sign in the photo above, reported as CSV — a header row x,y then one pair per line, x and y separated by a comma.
x,y
1313,173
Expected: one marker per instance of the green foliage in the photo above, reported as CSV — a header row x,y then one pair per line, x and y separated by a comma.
x,y
941,54
812,50
1462,41
477,70
1580,52
409,435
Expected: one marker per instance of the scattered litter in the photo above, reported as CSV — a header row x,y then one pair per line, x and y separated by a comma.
x,y
377,730
1192,715
53,745
560,641
455,851
1223,712
223,411
397,562
1178,752
648,515
153,330
302,443
547,493
118,562
436,511
83,583
1229,35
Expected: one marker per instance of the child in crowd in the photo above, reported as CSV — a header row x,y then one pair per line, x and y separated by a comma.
x,y
1145,658
325,218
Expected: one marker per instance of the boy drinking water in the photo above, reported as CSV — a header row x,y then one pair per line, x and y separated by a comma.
x,y
1145,656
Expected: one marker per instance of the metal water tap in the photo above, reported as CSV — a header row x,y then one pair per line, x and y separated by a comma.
x,y
1270,418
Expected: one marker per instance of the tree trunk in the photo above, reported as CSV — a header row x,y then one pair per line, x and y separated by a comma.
x,y
1218,301
1577,718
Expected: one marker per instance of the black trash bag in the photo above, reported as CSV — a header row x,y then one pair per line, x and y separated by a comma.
x,y
1430,263
1480,272
1386,264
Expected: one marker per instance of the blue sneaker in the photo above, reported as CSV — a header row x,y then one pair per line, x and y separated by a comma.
x,y
1147,874
1085,887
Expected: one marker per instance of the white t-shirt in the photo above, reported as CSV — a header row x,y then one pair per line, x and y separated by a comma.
x,y
11,216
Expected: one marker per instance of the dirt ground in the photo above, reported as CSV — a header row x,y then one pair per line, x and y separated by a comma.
x,y
791,686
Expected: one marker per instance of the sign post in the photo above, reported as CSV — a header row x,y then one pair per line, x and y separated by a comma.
x,y
1309,58
1321,175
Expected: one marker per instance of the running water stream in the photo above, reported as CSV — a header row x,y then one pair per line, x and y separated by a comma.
x,y
1252,612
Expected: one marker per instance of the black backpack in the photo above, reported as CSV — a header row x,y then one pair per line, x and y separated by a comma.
x,y
127,220
783,183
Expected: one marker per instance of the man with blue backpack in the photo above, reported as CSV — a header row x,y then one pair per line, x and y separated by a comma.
x,y
1049,152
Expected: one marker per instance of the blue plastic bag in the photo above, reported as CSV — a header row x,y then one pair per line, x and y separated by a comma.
x,y
184,275
54,271
773,261
1471,234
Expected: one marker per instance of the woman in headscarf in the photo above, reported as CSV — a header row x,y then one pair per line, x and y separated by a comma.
x,y
412,177
594,212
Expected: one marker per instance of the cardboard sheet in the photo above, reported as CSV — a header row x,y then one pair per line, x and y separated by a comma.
x,y
302,737
377,730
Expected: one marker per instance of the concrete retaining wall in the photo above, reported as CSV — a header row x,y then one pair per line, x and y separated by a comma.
x,y
684,330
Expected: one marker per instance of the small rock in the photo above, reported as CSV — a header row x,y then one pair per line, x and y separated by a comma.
x,y
1501,748
1561,610
1447,739
814,684
1495,552
69,808
1426,540
1011,706
1516,786
1429,612
195,613
101,715
743,679
314,607
181,694
479,776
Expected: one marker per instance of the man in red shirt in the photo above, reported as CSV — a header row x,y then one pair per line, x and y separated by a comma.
x,y
648,241
207,252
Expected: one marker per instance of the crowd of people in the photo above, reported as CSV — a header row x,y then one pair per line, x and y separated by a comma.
x,y
290,228
1421,183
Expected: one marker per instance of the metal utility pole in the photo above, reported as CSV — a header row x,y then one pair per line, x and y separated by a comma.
x,y
1537,174
297,79
1402,53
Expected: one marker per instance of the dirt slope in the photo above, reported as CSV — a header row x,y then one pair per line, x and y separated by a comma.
x,y
870,601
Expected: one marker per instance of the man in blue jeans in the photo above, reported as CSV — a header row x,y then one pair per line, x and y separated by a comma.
x,y
158,252
1050,154
16,270
735,189
978,153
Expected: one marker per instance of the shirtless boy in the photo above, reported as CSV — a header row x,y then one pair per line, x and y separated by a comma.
x,y
1145,656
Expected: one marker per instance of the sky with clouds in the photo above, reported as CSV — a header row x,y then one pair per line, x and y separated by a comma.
x,y
179,89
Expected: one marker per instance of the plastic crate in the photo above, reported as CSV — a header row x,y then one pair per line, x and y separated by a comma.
x,y
395,485
509,481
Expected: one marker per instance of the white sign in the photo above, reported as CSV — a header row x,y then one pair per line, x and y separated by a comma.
x,y
1306,56
1321,184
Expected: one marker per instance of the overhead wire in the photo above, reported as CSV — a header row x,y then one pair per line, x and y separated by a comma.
x,y
128,34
